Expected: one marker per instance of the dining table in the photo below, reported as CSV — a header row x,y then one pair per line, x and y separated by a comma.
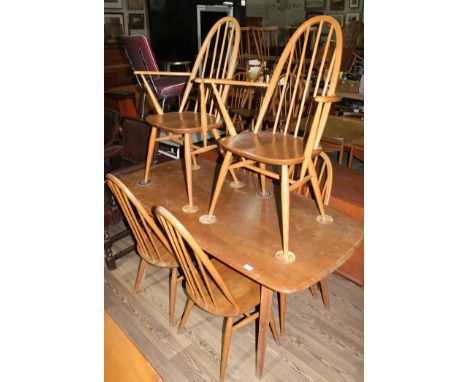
x,y
247,232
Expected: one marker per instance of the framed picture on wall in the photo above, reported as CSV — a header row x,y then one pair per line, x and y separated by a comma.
x,y
354,3
136,21
350,17
336,5
113,27
314,4
116,4
338,18
135,5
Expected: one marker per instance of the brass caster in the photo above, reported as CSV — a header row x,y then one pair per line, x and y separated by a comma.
x,y
288,259
188,209
266,194
328,219
207,219
237,184
144,183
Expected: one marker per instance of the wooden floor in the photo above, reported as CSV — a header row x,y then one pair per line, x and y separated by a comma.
x,y
318,345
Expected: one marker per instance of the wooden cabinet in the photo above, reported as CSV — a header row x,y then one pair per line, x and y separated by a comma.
x,y
117,70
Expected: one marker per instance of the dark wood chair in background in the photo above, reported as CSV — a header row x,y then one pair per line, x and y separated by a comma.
x,y
152,246
333,144
124,153
212,285
357,151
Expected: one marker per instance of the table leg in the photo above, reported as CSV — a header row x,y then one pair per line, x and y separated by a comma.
x,y
265,307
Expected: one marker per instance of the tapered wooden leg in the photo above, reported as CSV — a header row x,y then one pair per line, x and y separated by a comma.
x,y
172,295
282,307
263,193
350,160
313,291
285,255
226,345
323,219
325,295
273,328
265,308
189,208
236,183
185,316
210,218
149,157
140,275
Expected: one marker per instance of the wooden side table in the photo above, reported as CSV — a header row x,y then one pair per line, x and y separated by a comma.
x,y
123,101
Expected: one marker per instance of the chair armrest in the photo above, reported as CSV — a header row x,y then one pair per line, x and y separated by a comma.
x,y
231,82
327,99
143,72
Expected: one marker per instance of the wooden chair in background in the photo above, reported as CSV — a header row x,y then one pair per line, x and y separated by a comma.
x,y
265,40
217,59
333,144
211,285
152,245
240,103
284,149
357,151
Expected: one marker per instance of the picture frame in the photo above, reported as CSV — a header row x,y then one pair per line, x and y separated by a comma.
x,y
314,4
136,21
353,3
339,18
350,17
114,27
337,5
113,4
135,5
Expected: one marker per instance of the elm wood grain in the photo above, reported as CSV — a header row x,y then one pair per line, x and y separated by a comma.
x,y
319,249
324,61
217,59
320,345
152,245
211,285
123,362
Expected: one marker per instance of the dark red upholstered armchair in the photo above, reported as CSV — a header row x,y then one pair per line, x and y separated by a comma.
x,y
127,154
141,57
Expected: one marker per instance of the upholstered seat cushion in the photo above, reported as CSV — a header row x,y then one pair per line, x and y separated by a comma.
x,y
170,85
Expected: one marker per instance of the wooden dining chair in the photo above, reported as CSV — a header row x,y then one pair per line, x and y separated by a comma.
x,y
333,144
319,74
152,246
265,39
212,285
357,151
217,59
244,50
239,103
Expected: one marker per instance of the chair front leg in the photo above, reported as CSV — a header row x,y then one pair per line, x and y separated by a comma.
x,y
189,208
172,295
149,157
140,275
285,256
226,346
210,218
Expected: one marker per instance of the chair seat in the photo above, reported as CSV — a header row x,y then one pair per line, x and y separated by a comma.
x,y
180,123
167,259
245,291
170,85
266,147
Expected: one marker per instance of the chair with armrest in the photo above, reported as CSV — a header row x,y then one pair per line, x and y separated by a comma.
x,y
217,59
141,57
212,285
318,73
152,245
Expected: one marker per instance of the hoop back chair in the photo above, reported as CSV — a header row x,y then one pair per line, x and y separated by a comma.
x,y
264,39
211,285
152,245
141,57
217,59
317,69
